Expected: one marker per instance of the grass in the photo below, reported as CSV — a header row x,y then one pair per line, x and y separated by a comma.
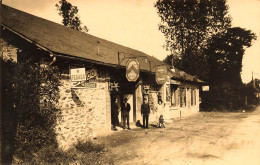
x,y
90,146
88,153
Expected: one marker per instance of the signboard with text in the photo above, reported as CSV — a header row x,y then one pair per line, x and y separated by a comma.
x,y
161,74
78,74
83,84
132,70
81,78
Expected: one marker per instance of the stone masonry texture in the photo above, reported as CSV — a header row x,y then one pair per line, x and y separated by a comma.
x,y
85,113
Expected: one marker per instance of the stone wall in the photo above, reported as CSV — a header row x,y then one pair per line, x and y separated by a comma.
x,y
85,113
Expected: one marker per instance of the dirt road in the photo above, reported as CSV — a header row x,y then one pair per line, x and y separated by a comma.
x,y
206,138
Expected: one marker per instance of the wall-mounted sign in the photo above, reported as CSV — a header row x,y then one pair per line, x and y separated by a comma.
x,y
146,89
80,78
161,74
10,53
91,74
78,74
205,88
113,86
132,70
83,84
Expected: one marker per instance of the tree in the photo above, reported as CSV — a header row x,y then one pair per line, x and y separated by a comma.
x,y
225,54
70,15
187,26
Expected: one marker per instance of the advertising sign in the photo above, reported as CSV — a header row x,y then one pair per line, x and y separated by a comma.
x,y
78,74
10,53
83,84
161,74
205,88
80,78
91,74
132,70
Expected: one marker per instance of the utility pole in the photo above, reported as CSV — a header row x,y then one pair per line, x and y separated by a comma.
x,y
252,78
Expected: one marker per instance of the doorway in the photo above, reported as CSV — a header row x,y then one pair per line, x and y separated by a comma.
x,y
130,100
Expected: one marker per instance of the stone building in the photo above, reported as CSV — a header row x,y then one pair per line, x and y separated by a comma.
x,y
85,99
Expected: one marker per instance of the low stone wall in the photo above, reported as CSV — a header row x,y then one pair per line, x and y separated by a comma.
x,y
85,113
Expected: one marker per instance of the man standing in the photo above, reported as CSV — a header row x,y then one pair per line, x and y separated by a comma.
x,y
114,114
145,111
125,112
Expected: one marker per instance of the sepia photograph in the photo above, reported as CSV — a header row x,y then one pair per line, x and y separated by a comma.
x,y
130,82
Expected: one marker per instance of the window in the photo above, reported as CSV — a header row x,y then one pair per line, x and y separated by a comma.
x,y
173,95
168,93
182,95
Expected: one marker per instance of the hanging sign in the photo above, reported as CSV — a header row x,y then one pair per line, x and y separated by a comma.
x,y
77,74
161,74
132,70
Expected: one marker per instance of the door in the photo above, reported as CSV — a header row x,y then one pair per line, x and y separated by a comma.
x,y
130,100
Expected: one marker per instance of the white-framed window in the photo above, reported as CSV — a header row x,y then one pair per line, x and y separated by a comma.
x,y
182,96
174,95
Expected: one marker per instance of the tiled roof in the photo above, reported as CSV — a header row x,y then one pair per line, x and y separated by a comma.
x,y
69,42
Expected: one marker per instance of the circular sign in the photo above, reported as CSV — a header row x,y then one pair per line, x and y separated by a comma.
x,y
161,74
132,70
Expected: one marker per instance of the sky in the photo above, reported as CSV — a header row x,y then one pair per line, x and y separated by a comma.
x,y
134,23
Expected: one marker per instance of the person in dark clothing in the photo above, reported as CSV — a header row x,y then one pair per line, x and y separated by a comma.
x,y
125,112
114,114
145,111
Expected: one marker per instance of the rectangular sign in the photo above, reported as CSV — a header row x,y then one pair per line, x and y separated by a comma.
x,y
205,88
10,53
78,74
83,84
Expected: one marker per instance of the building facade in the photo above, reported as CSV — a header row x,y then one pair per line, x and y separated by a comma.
x,y
93,71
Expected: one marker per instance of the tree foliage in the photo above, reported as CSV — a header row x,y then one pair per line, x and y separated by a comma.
x,y
225,54
203,43
30,92
70,15
37,89
187,26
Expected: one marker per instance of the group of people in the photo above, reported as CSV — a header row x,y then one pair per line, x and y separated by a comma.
x,y
125,109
